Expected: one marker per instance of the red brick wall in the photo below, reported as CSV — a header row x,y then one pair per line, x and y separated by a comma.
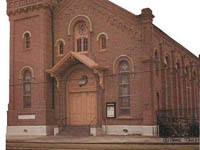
x,y
130,35
122,40
38,57
186,96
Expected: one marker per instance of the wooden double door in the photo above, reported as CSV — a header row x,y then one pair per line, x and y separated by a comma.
x,y
81,101
83,108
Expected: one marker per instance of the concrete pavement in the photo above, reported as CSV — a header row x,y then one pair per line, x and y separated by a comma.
x,y
103,140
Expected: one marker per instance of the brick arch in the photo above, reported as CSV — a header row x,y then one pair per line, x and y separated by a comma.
x,y
24,69
178,60
100,34
60,40
121,58
25,33
79,18
169,59
186,65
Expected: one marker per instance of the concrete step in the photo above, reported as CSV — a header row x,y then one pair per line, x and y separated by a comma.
x,y
75,131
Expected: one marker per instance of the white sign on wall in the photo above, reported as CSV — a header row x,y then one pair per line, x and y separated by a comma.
x,y
111,110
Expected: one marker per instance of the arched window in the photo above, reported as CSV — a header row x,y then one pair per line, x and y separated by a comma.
x,y
186,71
27,40
61,48
103,44
178,104
177,66
102,38
156,56
81,37
124,88
27,88
166,61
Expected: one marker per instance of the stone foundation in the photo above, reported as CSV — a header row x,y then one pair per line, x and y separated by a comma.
x,y
130,130
31,130
105,130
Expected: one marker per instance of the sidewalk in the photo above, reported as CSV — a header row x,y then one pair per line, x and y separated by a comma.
x,y
102,140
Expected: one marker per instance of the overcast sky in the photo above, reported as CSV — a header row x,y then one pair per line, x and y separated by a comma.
x,y
180,19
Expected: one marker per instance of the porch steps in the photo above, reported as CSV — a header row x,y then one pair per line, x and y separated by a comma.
x,y
79,131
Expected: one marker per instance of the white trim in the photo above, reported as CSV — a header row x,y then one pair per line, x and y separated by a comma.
x,y
126,58
25,33
102,33
59,41
58,47
89,20
22,72
26,117
96,131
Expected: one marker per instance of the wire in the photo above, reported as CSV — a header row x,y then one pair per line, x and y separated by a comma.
x,y
116,75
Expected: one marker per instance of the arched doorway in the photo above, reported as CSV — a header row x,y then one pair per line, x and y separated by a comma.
x,y
81,98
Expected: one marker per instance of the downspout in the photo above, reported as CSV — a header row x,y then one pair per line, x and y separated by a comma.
x,y
53,61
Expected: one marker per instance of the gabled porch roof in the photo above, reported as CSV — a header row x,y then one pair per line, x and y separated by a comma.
x,y
73,58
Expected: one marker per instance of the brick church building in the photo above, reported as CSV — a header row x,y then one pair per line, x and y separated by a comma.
x,y
92,63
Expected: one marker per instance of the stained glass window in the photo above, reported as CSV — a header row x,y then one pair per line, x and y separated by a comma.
x,y
27,89
27,40
124,88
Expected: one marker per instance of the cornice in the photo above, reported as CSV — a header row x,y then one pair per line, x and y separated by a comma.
x,y
18,6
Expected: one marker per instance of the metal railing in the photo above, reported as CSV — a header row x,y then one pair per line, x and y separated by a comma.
x,y
171,125
62,124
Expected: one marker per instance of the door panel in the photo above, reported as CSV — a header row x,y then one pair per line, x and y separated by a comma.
x,y
81,101
83,108
75,108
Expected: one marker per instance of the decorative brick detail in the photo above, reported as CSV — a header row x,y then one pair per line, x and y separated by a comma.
x,y
18,6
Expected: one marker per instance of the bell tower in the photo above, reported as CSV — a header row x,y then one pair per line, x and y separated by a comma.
x,y
31,110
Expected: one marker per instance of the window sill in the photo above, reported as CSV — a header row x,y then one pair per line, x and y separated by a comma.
x,y
128,118
103,50
125,117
